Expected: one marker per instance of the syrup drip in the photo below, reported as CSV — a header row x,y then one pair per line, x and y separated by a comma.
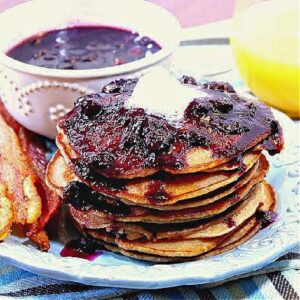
x,y
157,192
267,217
84,198
229,222
81,248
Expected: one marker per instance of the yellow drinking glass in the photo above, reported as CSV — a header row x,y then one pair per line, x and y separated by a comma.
x,y
265,42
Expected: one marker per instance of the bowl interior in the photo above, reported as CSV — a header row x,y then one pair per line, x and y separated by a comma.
x,y
37,16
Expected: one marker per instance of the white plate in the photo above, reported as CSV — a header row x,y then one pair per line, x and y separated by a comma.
x,y
118,271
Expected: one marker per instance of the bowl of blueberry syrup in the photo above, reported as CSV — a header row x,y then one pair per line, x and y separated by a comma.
x,y
52,52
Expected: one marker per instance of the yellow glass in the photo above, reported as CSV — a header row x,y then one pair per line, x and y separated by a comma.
x,y
265,42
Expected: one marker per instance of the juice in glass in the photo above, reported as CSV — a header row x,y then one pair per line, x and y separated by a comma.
x,y
265,42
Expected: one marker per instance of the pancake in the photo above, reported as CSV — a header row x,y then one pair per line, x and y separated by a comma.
x,y
186,248
139,214
120,212
247,158
163,190
261,197
237,238
131,231
253,175
86,203
166,184
109,137
168,248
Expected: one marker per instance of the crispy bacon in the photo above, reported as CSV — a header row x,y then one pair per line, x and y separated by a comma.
x,y
6,212
34,150
41,239
18,177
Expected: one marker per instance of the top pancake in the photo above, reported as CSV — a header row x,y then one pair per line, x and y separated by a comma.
x,y
236,163
105,136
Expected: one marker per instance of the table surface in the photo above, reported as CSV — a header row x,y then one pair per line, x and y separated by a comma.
x,y
188,12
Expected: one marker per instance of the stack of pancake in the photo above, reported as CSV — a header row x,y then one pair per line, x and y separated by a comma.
x,y
140,185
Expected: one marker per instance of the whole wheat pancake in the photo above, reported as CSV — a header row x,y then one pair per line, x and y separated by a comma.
x,y
111,138
254,174
261,197
165,189
139,214
247,158
192,245
130,231
86,203
187,247
105,208
168,248
240,236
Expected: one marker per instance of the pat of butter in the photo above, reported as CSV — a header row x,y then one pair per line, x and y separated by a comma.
x,y
160,93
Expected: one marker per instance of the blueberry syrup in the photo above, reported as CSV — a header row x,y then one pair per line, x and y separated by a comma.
x,y
84,198
235,198
229,222
112,140
84,47
267,217
157,192
82,249
238,163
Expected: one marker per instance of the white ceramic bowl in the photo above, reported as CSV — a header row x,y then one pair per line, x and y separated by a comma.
x,y
36,96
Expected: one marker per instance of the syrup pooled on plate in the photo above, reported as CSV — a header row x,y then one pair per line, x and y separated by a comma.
x,y
81,248
85,47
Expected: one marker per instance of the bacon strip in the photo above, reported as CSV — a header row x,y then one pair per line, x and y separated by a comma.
x,y
18,177
33,149
6,212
